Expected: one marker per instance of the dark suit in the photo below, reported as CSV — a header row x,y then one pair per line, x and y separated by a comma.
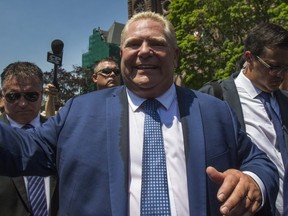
x,y
230,95
13,196
88,142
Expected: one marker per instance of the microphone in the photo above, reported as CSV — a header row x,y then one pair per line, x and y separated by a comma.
x,y
57,49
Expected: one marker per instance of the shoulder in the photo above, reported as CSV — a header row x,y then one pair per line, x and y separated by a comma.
x,y
218,87
93,101
100,94
205,101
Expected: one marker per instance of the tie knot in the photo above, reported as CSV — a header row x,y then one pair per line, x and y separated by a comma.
x,y
266,96
151,105
27,126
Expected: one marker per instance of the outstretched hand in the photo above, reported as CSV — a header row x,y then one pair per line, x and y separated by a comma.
x,y
238,193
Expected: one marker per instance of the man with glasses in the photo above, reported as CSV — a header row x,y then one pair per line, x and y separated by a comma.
x,y
264,69
106,73
22,89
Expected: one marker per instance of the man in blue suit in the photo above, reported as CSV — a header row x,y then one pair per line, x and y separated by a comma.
x,y
95,141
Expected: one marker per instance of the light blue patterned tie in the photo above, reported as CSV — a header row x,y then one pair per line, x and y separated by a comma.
x,y
154,190
36,191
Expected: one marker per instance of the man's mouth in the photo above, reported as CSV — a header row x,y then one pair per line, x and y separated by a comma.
x,y
143,67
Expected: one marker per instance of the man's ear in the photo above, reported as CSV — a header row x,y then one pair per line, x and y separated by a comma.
x,y
248,56
94,77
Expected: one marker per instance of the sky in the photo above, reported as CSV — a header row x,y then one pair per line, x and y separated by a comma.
x,y
28,28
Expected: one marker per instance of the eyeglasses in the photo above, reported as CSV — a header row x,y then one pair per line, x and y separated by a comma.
x,y
108,71
11,97
273,69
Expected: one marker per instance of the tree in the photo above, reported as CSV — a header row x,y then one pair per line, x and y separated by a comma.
x,y
211,34
71,83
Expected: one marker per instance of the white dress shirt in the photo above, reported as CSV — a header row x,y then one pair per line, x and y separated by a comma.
x,y
35,122
259,127
174,149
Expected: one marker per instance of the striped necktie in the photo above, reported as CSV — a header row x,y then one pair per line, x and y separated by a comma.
x,y
36,191
154,189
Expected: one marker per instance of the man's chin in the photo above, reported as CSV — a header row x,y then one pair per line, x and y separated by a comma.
x,y
111,85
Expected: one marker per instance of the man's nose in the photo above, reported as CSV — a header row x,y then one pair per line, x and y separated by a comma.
x,y
22,102
145,49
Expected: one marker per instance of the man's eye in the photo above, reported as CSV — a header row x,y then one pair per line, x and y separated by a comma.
x,y
161,44
133,44
275,67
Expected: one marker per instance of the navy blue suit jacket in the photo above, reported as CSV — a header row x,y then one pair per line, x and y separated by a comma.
x,y
87,142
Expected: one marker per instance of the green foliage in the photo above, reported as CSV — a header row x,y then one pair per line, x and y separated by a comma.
x,y
76,82
211,34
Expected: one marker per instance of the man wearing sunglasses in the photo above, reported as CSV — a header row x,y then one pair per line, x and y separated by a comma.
x,y
106,73
22,88
264,68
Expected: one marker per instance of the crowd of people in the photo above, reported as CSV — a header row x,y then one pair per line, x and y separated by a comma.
x,y
149,146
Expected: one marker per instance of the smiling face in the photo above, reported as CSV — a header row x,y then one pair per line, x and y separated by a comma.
x,y
148,59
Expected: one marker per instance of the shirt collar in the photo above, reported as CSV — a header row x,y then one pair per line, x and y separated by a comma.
x,y
35,122
165,99
246,84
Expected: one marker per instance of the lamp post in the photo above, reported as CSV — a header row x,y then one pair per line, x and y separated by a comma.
x,y
55,57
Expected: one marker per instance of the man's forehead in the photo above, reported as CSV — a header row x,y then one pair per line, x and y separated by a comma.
x,y
107,63
31,82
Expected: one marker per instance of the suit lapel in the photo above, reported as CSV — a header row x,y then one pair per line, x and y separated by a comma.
x,y
190,114
118,150
53,185
54,196
283,104
20,187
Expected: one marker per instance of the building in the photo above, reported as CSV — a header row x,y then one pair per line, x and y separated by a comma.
x,y
103,44
158,6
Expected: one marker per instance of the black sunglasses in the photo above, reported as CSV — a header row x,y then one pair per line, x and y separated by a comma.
x,y
11,97
108,71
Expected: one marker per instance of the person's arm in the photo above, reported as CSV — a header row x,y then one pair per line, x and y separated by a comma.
x,y
52,92
241,191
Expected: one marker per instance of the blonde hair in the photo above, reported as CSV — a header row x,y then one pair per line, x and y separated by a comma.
x,y
167,26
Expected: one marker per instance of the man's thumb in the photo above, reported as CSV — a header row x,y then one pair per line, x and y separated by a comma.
x,y
214,175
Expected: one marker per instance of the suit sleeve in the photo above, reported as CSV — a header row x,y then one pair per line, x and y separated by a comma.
x,y
256,161
31,152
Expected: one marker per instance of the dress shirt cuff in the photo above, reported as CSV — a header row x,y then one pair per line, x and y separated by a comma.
x,y
260,184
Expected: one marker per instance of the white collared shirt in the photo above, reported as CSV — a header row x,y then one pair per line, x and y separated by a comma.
x,y
35,122
174,148
259,127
